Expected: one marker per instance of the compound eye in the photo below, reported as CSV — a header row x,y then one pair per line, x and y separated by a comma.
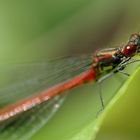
x,y
129,50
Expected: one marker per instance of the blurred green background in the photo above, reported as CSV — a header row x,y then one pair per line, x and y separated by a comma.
x,y
32,30
39,29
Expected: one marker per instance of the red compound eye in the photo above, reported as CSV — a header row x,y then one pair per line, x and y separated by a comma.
x,y
129,50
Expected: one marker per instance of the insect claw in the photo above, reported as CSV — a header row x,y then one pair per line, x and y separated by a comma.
x,y
124,73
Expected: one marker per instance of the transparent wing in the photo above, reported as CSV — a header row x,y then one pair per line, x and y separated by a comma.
x,y
28,123
22,80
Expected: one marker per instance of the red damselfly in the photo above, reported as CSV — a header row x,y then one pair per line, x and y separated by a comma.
x,y
79,70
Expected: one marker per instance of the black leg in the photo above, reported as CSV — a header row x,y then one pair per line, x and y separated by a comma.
x,y
124,73
100,95
99,81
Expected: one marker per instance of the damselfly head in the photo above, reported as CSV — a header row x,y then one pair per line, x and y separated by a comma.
x,y
135,40
133,46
